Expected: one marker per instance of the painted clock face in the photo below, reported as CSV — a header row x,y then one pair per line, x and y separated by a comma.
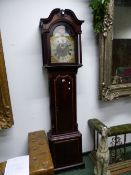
x,y
62,46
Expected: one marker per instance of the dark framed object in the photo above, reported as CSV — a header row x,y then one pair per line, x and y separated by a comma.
x,y
114,50
6,117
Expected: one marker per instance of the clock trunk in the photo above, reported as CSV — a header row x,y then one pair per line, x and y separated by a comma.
x,y
62,86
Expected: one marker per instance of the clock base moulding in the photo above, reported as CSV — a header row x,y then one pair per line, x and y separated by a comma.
x,y
66,150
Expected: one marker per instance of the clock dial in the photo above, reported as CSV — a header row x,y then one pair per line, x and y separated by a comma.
x,y
62,49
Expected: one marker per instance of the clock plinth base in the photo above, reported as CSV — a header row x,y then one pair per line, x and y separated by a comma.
x,y
66,150
76,165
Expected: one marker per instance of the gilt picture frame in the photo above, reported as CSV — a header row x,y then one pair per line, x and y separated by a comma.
x,y
6,116
109,86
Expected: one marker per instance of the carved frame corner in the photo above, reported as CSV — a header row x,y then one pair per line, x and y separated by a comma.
x,y
107,90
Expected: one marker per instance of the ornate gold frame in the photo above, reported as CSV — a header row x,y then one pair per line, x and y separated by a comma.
x,y
108,91
6,117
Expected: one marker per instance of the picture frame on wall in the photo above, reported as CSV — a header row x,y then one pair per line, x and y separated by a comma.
x,y
6,116
114,51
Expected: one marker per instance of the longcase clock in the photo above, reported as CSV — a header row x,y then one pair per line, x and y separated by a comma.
x,y
61,47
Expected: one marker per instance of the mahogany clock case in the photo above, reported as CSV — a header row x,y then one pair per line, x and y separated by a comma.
x,y
61,47
64,138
